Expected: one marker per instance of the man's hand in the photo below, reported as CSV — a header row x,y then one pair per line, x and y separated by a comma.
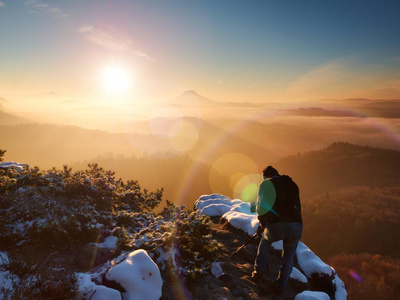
x,y
253,207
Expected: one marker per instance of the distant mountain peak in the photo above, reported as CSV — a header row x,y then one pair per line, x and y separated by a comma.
x,y
190,93
191,97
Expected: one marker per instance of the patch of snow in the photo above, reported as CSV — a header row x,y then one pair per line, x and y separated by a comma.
x,y
215,209
247,223
297,275
138,275
13,164
213,205
4,260
236,212
89,290
109,243
312,295
105,293
216,269
340,293
7,283
311,263
278,245
84,283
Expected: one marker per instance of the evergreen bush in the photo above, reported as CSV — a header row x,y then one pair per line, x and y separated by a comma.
x,y
62,209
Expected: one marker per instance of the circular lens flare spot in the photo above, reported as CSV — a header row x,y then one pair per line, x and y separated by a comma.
x,y
229,169
247,187
235,178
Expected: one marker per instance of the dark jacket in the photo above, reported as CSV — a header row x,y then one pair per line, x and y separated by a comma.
x,y
278,201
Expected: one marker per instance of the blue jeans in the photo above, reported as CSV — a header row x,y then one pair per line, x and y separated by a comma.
x,y
290,233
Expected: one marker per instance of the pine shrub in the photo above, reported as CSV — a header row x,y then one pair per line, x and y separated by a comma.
x,y
55,210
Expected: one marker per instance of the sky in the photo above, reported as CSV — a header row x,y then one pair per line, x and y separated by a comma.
x,y
257,51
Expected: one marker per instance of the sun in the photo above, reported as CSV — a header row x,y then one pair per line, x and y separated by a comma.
x,y
116,80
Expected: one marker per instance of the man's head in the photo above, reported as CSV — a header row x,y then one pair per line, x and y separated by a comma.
x,y
269,172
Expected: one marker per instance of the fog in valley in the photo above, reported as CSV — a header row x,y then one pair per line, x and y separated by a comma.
x,y
190,145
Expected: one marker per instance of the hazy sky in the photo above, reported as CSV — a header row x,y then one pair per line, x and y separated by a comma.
x,y
225,50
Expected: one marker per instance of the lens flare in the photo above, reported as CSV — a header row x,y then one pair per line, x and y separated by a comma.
x,y
355,276
235,178
247,187
235,167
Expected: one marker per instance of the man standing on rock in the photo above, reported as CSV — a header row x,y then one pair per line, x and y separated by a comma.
x,y
279,212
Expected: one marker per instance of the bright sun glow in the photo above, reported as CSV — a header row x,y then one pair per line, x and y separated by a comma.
x,y
116,80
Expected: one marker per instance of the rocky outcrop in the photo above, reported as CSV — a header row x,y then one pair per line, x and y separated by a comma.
x,y
310,272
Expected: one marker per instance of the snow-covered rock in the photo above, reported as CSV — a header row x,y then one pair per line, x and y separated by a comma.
x,y
90,290
297,275
312,295
138,275
311,263
213,205
13,164
236,211
7,283
315,270
340,293
109,243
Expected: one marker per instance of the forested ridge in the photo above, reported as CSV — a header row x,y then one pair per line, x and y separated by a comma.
x,y
342,165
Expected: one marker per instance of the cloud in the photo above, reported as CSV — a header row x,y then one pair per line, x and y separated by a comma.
x,y
38,7
143,55
104,38
323,77
2,4
385,89
345,79
333,80
85,28
110,40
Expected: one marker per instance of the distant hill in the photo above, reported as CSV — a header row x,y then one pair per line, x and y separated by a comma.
x,y
382,109
319,112
2,100
52,145
342,165
11,119
48,145
185,175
